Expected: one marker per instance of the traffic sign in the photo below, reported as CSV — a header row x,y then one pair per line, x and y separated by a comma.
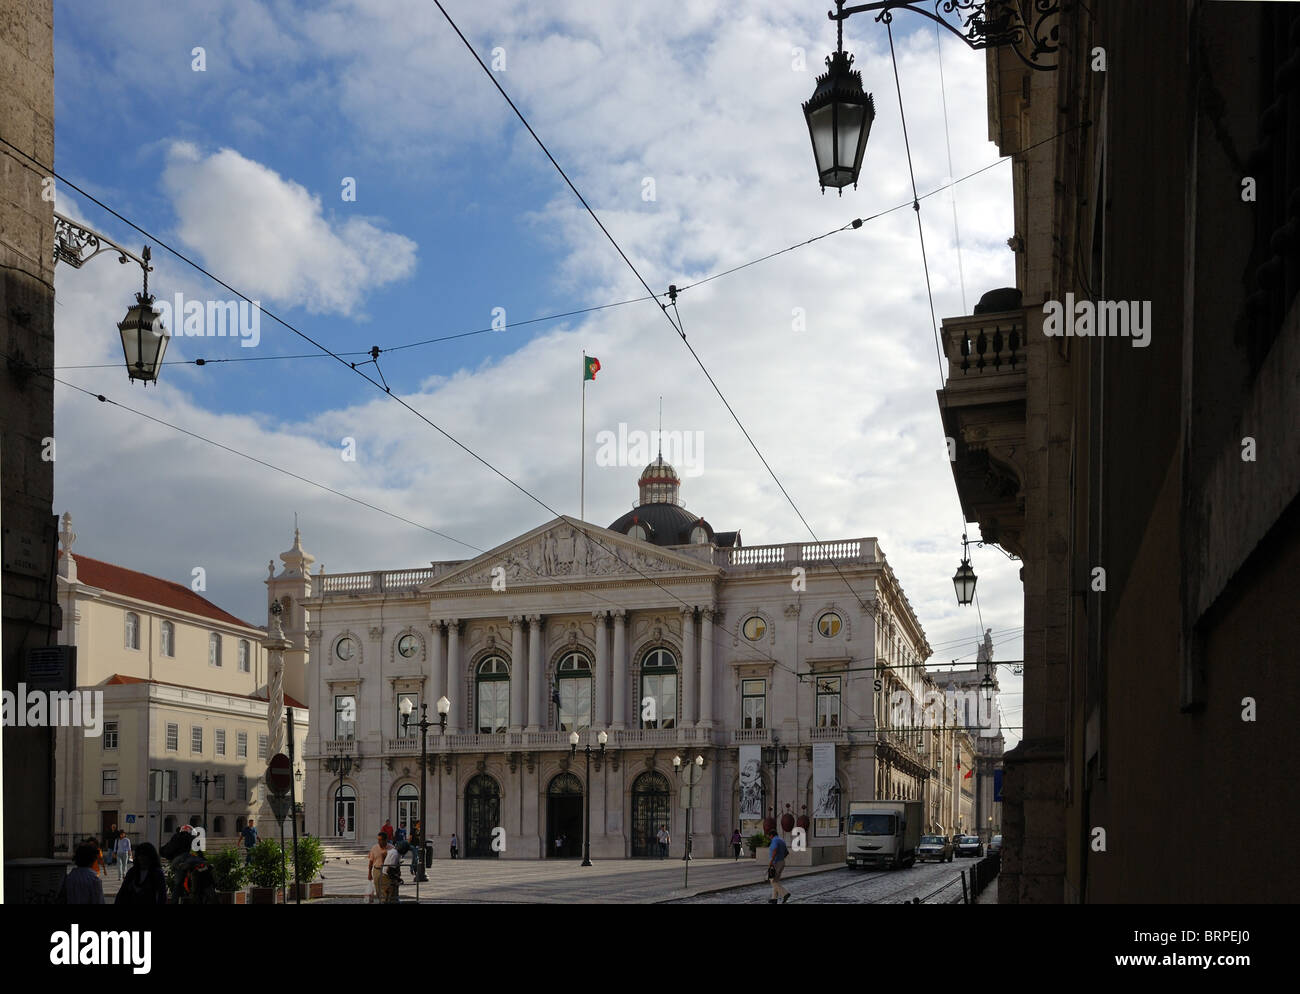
x,y
279,774
280,806
130,819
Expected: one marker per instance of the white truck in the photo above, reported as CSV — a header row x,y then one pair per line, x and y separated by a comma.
x,y
883,833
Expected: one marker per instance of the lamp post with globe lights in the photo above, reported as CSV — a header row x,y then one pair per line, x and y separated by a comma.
x,y
602,738
424,724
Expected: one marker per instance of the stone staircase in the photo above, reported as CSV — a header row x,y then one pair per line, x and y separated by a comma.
x,y
339,850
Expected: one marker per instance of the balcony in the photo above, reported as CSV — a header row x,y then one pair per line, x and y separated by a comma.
x,y
807,554
983,411
751,736
341,747
402,745
831,734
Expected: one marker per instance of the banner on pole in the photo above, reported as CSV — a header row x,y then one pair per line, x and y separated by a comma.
x,y
824,799
751,783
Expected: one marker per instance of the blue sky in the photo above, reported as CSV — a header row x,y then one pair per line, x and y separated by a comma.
x,y
457,213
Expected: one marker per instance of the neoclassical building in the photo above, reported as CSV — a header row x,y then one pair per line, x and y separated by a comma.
x,y
672,637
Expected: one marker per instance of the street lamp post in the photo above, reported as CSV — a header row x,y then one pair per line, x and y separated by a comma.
x,y
204,780
776,756
424,724
602,738
694,774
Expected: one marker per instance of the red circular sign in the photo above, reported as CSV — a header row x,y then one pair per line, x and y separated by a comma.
x,y
279,774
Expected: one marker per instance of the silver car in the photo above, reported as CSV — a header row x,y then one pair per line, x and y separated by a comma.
x,y
934,847
995,845
970,845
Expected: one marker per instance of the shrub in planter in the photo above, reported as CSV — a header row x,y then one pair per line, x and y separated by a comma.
x,y
311,857
267,870
758,843
230,873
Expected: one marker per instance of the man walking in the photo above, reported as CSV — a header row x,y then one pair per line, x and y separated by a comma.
x,y
122,853
664,839
375,867
778,851
248,837
455,846
82,885
417,853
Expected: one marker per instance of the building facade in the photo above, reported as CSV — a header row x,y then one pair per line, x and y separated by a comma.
x,y
1123,420
184,689
673,638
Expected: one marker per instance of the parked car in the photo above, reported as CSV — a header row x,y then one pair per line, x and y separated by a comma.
x,y
995,845
934,847
970,845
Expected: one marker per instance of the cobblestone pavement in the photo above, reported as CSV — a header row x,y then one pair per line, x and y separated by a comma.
x,y
934,883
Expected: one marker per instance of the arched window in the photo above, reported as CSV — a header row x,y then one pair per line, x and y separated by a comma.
x,y
493,695
214,649
658,704
245,657
167,638
573,677
132,630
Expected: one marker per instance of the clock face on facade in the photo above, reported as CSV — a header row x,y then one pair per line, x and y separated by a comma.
x,y
829,624
346,649
754,629
408,645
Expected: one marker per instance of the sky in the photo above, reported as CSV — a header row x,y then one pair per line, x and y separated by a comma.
x,y
234,134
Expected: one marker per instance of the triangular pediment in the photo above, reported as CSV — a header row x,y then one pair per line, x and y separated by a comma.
x,y
565,551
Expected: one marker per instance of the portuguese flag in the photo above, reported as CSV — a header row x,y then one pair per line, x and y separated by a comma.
x,y
590,367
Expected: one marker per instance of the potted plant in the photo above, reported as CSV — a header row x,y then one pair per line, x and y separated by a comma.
x,y
759,842
230,872
311,857
267,871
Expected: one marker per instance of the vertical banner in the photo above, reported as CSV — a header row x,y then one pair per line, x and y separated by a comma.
x,y
751,783
824,780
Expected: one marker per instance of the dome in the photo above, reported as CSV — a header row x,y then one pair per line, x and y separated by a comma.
x,y
660,483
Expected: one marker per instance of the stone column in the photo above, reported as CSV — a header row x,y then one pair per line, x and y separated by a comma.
x,y
706,667
455,676
536,700
518,661
600,686
437,668
688,669
619,663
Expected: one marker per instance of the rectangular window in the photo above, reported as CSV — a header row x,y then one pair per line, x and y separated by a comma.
x,y
196,738
261,746
219,786
660,691
493,706
410,728
110,735
241,745
345,716
753,704
110,782
196,787
220,735
241,788
173,785
828,702
173,737
132,630
168,638
244,664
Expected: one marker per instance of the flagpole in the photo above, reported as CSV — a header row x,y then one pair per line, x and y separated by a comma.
x,y
582,486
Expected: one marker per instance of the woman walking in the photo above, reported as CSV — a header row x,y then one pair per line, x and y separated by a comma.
x,y
145,883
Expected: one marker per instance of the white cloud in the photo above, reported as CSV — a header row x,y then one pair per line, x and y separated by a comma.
x,y
269,237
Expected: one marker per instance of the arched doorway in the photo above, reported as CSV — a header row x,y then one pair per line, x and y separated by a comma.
x,y
408,807
482,815
649,812
564,817
345,813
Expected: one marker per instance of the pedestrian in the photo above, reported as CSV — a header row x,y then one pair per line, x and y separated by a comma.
x,y
375,867
417,853
735,844
778,850
559,844
110,840
98,864
664,840
392,874
82,884
122,853
248,837
145,883
343,822
455,846
388,829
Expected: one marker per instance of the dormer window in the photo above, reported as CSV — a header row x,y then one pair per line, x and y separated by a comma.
x,y
699,535
638,532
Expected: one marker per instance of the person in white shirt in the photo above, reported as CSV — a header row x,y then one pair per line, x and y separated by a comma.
x,y
392,875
